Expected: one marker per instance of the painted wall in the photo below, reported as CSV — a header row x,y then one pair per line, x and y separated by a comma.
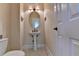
x,y
15,26
21,26
50,23
9,24
27,42
5,21
1,31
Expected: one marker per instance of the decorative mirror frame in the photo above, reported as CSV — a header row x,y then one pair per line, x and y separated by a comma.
x,y
33,15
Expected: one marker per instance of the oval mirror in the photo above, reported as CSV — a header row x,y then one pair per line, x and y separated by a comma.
x,y
34,20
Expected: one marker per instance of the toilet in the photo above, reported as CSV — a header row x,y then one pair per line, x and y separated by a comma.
x,y
15,53
3,48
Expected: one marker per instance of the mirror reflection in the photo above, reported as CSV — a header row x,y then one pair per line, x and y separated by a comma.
x,y
34,20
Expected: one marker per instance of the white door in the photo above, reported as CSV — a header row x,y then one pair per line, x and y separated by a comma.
x,y
68,28
74,29
63,42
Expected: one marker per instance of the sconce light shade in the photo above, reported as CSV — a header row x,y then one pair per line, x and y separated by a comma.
x,y
21,18
34,9
45,18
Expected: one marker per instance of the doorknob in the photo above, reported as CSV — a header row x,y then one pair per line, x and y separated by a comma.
x,y
55,28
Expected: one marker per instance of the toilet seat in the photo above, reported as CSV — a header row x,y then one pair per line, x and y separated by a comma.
x,y
15,53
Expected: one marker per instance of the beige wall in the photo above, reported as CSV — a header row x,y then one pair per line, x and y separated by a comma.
x,y
15,26
1,30
5,21
50,34
9,24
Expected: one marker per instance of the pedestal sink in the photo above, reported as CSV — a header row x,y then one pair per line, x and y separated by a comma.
x,y
35,34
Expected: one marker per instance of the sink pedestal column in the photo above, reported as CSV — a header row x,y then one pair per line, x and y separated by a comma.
x,y
35,44
34,34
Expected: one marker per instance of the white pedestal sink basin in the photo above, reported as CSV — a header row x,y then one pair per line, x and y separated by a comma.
x,y
34,34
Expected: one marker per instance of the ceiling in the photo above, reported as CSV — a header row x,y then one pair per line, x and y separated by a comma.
x,y
26,6
41,6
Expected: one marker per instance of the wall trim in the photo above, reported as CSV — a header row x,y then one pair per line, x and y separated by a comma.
x,y
48,51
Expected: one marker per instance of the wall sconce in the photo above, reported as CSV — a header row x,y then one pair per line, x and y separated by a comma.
x,y
31,9
45,18
34,9
21,18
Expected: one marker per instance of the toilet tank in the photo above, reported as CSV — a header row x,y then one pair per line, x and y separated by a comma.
x,y
3,45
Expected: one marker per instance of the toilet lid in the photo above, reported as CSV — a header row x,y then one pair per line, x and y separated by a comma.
x,y
15,53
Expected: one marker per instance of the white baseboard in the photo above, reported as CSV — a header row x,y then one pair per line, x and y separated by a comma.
x,y
48,51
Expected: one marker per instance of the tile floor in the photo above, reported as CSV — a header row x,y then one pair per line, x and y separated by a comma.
x,y
39,52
